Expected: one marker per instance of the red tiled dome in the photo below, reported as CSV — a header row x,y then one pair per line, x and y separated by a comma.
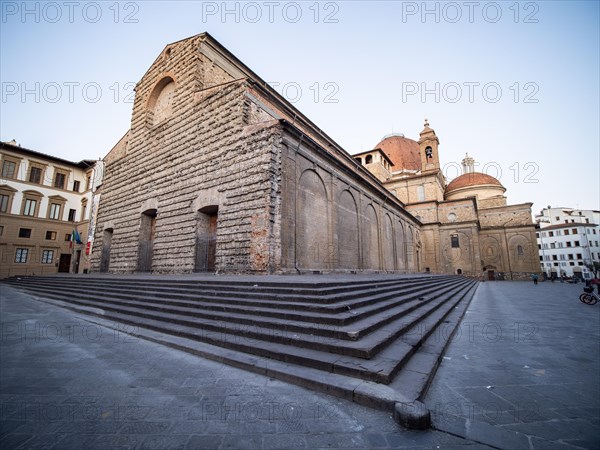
x,y
472,179
403,152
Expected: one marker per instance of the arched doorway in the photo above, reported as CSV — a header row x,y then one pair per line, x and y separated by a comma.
x,y
206,239
106,244
146,244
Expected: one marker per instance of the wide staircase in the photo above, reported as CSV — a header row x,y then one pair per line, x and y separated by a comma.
x,y
374,340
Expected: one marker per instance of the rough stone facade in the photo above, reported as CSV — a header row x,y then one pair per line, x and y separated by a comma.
x,y
218,172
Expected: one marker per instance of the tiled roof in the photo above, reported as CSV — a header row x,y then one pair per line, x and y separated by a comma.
x,y
403,152
472,179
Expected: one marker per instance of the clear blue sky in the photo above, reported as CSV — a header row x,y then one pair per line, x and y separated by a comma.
x,y
513,84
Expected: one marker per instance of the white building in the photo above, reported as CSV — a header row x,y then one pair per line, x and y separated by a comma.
x,y
568,240
45,201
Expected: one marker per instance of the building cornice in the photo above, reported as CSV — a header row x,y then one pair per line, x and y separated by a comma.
x,y
83,164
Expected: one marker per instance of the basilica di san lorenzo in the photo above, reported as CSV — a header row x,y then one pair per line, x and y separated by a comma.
x,y
219,173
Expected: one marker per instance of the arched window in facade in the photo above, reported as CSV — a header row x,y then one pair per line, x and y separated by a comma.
x,y
161,100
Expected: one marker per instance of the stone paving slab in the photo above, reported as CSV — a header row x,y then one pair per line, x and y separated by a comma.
x,y
523,369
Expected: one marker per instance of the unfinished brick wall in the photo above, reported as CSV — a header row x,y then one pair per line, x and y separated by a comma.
x,y
207,153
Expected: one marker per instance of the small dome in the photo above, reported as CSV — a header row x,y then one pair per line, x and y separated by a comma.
x,y
473,179
403,152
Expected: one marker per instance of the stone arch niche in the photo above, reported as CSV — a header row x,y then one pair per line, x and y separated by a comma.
x,y
106,246
491,250
146,240
312,231
388,244
401,247
206,239
347,231
160,102
410,249
370,239
520,251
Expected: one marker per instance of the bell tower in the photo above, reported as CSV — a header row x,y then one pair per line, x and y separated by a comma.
x,y
468,164
428,148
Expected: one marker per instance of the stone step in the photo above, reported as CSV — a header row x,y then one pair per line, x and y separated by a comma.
x,y
251,299
392,358
367,393
262,285
254,325
338,315
369,335
379,369
330,294
377,342
419,371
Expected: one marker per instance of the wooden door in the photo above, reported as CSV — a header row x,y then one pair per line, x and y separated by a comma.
x,y
64,264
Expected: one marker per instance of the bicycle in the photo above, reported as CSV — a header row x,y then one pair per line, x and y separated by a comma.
x,y
588,297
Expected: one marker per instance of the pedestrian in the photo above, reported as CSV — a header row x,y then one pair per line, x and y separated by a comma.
x,y
596,281
535,278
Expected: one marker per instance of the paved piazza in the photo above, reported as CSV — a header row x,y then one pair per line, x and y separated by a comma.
x,y
522,371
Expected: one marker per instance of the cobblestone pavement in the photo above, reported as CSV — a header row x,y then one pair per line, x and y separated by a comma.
x,y
522,372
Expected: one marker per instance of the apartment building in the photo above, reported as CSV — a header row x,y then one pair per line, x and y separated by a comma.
x,y
568,241
45,210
